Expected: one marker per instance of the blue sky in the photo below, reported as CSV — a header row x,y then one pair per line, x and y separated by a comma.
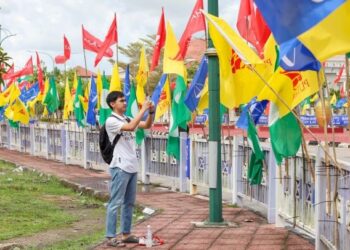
x,y
40,24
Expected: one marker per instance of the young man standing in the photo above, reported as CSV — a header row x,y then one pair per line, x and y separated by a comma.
x,y
124,165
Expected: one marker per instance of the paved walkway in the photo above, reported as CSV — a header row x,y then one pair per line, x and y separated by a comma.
x,y
176,212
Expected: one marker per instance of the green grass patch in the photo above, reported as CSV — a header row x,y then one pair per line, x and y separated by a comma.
x,y
32,202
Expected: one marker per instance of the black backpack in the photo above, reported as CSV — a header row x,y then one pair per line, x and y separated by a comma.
x,y
106,147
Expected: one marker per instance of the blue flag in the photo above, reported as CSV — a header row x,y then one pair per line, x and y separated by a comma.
x,y
255,108
126,90
29,94
197,84
2,111
90,114
158,90
288,19
294,56
340,103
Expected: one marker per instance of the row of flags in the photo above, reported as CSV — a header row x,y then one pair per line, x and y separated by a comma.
x,y
278,65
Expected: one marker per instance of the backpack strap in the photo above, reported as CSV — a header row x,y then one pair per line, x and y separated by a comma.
x,y
117,137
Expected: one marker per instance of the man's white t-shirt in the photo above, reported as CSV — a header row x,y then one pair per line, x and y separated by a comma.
x,y
124,154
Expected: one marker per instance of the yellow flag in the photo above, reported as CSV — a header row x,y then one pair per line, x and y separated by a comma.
x,y
17,112
292,86
164,100
314,98
115,79
67,100
99,88
333,99
204,98
9,95
46,89
171,48
238,82
330,36
141,77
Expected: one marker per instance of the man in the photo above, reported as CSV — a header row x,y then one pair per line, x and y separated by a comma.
x,y
123,167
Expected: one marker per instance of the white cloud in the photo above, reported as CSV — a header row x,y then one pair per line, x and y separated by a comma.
x,y
40,24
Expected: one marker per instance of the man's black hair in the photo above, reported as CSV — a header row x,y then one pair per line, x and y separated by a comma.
x,y
113,96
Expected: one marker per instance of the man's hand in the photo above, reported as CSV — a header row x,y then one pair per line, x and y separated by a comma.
x,y
146,105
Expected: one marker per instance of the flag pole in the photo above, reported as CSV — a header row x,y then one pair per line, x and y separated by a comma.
x,y
86,70
116,44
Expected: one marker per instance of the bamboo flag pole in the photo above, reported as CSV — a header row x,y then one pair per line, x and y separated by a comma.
x,y
328,184
293,112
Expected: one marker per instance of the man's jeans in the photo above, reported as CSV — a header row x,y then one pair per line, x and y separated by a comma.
x,y
122,194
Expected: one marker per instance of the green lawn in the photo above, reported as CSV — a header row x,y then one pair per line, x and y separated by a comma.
x,y
31,202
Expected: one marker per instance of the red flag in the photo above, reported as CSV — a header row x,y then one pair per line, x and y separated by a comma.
x,y
60,59
66,48
92,43
339,75
40,73
252,26
26,70
342,92
195,23
9,73
110,39
160,41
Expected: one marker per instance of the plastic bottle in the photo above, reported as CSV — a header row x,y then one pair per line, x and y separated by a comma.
x,y
149,241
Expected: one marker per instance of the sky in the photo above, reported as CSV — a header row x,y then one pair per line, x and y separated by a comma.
x,y
40,25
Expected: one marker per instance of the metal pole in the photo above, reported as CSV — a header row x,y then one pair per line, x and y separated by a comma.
x,y
215,189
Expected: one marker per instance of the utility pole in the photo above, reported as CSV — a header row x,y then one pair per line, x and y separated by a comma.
x,y
215,186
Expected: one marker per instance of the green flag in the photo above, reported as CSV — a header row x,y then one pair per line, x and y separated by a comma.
x,y
51,99
13,124
132,111
285,134
78,107
180,115
257,157
104,111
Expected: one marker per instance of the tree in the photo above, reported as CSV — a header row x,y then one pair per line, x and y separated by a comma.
x,y
4,63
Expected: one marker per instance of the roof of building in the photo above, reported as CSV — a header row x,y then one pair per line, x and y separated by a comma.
x,y
82,72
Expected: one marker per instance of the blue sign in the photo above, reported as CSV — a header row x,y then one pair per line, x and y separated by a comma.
x,y
310,120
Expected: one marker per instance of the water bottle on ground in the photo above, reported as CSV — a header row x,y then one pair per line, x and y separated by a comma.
x,y
149,241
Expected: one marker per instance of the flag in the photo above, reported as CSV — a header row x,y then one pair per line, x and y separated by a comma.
x,y
254,109
333,100
78,107
342,91
85,98
104,111
26,70
91,115
132,110
99,88
141,76
61,59
292,86
160,41
158,90
339,75
115,79
314,98
67,101
294,56
164,101
255,167
17,112
238,83
92,43
285,134
341,103
312,22
305,105
195,24
194,92
220,28
40,73
171,49
9,72
180,115
9,95
51,99
30,93
110,39
251,26
126,89
204,98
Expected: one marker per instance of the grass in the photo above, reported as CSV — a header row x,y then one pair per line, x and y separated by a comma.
x,y
32,202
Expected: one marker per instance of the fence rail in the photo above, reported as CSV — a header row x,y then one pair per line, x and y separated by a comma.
x,y
288,194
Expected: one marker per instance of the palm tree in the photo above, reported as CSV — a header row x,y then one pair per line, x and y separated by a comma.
x,y
4,63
